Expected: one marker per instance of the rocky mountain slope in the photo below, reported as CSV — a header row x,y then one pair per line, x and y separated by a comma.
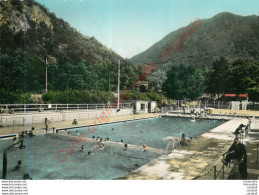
x,y
28,25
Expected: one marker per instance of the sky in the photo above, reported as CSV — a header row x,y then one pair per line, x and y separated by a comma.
x,y
129,27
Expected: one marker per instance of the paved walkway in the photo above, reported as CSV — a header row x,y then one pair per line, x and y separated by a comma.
x,y
252,163
199,157
235,112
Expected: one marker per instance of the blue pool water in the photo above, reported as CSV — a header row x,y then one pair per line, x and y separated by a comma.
x,y
149,131
39,158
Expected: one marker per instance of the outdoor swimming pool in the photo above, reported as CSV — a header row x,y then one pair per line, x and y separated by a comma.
x,y
39,158
149,131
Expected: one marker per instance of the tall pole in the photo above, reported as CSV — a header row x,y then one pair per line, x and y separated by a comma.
x,y
118,85
46,64
4,165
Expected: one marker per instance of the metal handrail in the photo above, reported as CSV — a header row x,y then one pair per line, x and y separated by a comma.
x,y
215,175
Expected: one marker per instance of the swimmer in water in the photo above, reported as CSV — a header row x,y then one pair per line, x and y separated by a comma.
x,y
89,153
31,133
126,147
21,145
82,148
18,166
145,148
112,128
101,147
26,176
15,142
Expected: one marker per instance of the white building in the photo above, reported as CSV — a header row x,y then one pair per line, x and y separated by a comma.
x,y
141,106
152,106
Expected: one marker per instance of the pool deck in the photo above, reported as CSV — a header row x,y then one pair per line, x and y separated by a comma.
x,y
68,124
198,158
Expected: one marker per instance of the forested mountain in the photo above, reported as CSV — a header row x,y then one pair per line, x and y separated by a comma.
x,y
29,33
225,34
82,70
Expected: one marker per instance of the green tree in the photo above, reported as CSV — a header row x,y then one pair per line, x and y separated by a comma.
x,y
156,80
13,77
216,79
183,82
244,77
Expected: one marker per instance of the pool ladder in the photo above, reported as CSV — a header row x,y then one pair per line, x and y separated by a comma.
x,y
167,148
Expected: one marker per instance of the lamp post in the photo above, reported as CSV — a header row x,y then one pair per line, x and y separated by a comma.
x,y
46,65
118,85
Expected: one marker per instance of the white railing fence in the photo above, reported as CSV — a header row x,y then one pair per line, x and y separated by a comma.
x,y
58,107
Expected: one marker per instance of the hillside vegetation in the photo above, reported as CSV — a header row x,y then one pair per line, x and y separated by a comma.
x,y
225,34
220,56
29,33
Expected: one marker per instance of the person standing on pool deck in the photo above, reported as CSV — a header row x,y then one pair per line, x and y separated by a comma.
x,y
237,151
46,124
